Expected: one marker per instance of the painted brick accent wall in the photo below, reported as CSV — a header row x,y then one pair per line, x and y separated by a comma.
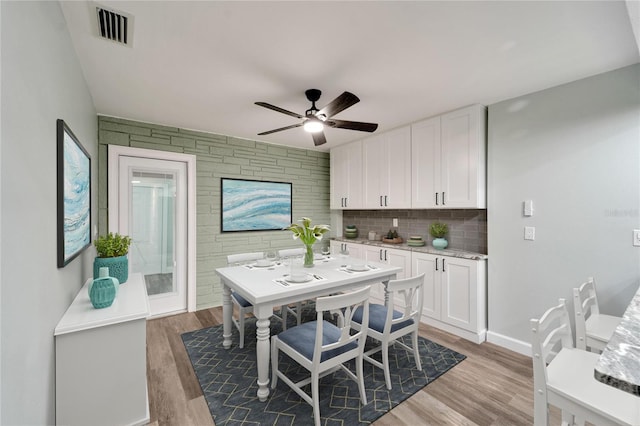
x,y
223,156
467,228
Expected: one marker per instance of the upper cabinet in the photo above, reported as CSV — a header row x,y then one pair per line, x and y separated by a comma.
x,y
449,160
346,176
438,163
387,170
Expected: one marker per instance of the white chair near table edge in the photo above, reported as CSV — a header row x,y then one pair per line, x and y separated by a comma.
x,y
593,329
244,307
386,325
568,381
304,344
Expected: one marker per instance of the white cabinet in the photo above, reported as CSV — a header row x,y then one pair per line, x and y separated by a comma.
x,y
346,176
448,160
393,257
355,249
101,359
387,169
454,294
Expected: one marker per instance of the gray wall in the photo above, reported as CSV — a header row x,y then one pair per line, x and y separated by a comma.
x,y
224,156
575,151
41,82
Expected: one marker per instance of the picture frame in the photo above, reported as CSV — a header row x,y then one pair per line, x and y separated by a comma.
x,y
73,195
254,205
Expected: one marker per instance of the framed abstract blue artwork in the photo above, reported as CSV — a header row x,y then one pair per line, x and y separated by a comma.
x,y
252,205
74,195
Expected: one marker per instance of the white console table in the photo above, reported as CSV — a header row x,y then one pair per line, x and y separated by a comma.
x,y
101,364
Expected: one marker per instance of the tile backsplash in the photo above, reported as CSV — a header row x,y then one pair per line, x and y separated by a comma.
x,y
467,228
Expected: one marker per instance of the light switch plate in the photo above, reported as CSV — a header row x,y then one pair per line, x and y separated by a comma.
x,y
529,233
395,222
636,237
527,208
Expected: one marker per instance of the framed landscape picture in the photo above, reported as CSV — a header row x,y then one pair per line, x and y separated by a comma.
x,y
252,205
74,195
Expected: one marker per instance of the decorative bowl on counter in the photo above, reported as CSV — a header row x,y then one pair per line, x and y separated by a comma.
x,y
350,231
415,241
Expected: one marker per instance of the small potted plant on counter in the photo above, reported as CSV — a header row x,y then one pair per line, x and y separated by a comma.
x,y
438,230
112,253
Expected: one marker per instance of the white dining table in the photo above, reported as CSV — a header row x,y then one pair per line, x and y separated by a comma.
x,y
267,287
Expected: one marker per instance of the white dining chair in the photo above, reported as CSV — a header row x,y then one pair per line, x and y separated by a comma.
x,y
563,376
244,306
593,329
322,347
388,324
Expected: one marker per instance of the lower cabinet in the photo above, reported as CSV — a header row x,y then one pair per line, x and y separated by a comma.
x,y
454,294
393,257
101,359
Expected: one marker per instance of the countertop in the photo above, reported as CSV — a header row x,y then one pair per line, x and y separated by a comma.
x,y
619,363
131,303
424,249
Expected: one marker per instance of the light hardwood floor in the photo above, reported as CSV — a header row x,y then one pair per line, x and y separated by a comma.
x,y
493,386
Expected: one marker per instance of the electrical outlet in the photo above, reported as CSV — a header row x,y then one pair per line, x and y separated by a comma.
x,y
636,237
395,222
529,233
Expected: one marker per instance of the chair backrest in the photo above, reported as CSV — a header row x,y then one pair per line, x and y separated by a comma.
x,y
406,297
291,252
240,258
585,304
344,305
549,335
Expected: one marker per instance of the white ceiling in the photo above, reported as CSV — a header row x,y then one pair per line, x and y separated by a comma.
x,y
202,65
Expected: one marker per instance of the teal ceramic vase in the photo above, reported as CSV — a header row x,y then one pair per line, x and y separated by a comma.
x,y
103,290
440,243
118,267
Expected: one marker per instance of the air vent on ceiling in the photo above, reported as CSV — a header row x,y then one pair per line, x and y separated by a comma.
x,y
114,26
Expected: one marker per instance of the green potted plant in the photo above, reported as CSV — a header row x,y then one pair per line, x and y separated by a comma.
x,y
112,253
438,230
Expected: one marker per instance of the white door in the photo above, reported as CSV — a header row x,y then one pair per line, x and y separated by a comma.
x,y
151,206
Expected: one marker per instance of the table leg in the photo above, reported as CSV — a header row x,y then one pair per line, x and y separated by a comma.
x,y
263,349
227,312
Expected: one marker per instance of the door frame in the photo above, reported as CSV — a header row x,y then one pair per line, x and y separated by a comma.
x,y
116,151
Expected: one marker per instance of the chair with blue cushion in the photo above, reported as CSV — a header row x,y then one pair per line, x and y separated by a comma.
x,y
388,324
243,305
322,347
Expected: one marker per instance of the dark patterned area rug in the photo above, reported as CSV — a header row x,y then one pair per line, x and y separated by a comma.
x,y
228,381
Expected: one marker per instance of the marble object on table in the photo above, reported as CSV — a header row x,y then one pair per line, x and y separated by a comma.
x,y
619,363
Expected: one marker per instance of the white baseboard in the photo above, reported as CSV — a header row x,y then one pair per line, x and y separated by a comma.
x,y
477,337
510,343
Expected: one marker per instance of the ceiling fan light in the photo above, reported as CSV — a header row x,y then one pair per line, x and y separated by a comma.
x,y
313,126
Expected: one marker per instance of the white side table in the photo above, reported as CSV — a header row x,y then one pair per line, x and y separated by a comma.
x,y
101,364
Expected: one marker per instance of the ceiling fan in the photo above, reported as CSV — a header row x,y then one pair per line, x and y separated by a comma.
x,y
315,120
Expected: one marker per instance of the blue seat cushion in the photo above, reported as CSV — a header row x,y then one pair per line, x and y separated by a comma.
x,y
378,316
302,338
241,300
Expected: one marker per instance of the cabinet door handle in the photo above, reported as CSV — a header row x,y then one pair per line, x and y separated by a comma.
x,y
443,203
380,254
381,201
436,198
443,270
345,201
436,263
385,255
385,200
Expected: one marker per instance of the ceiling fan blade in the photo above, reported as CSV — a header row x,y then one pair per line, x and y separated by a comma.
x,y
340,103
293,126
318,138
275,108
352,125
